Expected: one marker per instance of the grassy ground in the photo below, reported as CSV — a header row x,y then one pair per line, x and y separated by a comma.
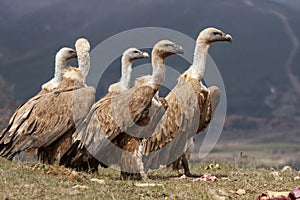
x,y
257,148
37,181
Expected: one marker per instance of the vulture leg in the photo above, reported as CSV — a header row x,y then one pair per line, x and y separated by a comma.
x,y
185,165
130,176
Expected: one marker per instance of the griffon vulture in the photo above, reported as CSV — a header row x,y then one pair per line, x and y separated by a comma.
x,y
42,127
115,119
190,108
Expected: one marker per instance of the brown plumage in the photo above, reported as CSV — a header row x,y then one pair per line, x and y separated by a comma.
x,y
84,160
37,126
177,125
41,129
107,119
114,117
210,99
131,156
189,110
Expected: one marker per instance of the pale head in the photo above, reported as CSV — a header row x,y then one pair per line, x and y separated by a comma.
x,y
165,48
133,54
211,35
82,45
65,54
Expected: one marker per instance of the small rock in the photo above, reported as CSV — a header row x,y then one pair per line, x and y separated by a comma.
x,y
297,178
275,173
276,176
74,173
241,192
98,181
225,179
286,169
223,192
28,185
277,194
148,184
74,192
217,166
272,194
182,177
218,195
82,187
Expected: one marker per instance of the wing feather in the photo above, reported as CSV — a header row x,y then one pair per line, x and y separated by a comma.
x,y
178,124
110,118
44,119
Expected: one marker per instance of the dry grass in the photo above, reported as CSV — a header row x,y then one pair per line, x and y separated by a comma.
x,y
255,148
51,182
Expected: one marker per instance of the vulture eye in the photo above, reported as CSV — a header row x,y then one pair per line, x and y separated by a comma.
x,y
136,52
71,51
216,33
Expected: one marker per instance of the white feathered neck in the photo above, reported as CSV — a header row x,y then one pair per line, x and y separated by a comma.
x,y
197,69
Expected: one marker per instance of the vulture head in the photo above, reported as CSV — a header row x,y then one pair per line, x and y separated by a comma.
x,y
133,54
211,35
128,57
65,54
82,45
165,48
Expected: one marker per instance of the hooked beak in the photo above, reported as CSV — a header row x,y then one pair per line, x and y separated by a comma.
x,y
145,55
73,55
179,49
227,37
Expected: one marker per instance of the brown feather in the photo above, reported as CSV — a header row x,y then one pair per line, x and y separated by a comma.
x,y
108,121
120,119
208,101
188,112
43,120
185,117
